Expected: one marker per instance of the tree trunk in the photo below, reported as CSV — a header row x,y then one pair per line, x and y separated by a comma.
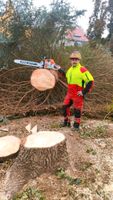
x,y
44,79
41,153
9,146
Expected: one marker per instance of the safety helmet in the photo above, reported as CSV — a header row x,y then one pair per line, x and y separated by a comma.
x,y
75,54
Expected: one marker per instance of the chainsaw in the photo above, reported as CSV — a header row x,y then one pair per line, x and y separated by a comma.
x,y
46,64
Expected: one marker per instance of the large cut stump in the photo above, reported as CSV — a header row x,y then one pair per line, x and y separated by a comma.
x,y
41,153
43,79
9,146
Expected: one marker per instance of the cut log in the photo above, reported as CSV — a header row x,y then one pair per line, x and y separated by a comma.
x,y
9,145
43,152
43,79
55,73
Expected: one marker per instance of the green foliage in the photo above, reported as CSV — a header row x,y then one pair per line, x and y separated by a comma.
x,y
54,126
99,62
97,23
101,20
93,132
72,181
49,32
25,10
110,19
91,151
109,108
30,32
29,194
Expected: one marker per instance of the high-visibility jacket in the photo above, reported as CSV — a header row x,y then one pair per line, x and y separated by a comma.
x,y
78,76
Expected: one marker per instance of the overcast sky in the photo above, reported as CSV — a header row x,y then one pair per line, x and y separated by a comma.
x,y
77,4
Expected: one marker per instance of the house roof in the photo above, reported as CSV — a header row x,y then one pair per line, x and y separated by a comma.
x,y
77,34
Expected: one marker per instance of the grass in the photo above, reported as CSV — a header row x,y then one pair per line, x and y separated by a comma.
x,y
94,132
72,181
55,126
85,165
91,151
29,194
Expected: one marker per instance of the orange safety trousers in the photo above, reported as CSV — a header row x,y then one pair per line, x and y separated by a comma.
x,y
77,101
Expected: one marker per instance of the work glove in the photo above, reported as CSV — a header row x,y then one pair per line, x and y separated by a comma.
x,y
79,93
57,67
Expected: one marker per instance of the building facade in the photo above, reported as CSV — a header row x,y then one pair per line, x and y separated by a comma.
x,y
76,37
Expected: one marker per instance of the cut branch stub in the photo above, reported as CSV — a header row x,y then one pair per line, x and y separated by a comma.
x,y
41,153
9,145
43,79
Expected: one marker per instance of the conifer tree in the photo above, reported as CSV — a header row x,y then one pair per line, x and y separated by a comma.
x,y
97,22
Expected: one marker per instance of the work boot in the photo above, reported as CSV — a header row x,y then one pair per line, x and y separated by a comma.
x,y
65,123
75,126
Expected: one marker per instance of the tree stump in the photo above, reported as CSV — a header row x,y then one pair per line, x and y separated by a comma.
x,y
41,153
9,146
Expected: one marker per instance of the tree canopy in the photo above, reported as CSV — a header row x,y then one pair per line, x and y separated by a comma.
x,y
27,30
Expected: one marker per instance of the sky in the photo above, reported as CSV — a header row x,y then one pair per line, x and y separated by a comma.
x,y
77,4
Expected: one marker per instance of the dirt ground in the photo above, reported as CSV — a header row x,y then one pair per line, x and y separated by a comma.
x,y
90,173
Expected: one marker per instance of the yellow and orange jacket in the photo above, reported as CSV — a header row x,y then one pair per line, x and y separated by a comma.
x,y
80,77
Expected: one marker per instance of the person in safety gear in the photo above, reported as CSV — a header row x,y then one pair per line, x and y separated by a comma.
x,y
80,82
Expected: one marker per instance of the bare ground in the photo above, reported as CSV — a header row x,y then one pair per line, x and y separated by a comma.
x,y
90,155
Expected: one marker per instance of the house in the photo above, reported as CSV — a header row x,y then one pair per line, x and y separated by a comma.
x,y
76,37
